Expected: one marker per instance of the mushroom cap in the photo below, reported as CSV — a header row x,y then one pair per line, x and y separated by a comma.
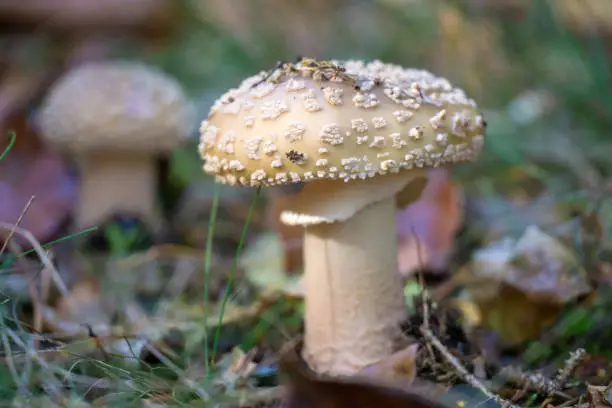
x,y
118,105
327,120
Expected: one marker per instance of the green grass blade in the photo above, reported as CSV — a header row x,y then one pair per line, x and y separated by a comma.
x,y
11,258
207,266
233,273
12,137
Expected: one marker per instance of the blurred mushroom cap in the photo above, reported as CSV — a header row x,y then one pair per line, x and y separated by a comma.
x,y
117,105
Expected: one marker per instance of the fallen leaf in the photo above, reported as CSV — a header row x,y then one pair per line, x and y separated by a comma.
x,y
595,370
27,172
304,389
520,287
237,368
427,227
82,309
398,368
599,396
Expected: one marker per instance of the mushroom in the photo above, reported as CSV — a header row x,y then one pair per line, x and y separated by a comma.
x,y
359,142
116,117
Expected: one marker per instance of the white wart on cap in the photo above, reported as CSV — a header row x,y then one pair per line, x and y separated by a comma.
x,y
318,121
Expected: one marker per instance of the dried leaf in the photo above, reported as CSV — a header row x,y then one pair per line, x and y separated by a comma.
x,y
238,368
434,219
306,390
398,368
599,396
520,287
595,370
84,307
40,173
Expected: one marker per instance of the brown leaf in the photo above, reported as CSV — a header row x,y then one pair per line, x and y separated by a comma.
x,y
306,390
598,396
434,218
399,367
84,307
27,172
521,286
595,370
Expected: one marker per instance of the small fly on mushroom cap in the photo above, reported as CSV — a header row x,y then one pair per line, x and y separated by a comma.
x,y
116,117
356,135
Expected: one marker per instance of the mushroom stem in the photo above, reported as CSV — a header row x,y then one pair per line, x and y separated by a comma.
x,y
354,299
113,182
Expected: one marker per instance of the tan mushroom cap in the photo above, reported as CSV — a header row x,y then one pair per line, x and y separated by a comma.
x,y
118,105
314,121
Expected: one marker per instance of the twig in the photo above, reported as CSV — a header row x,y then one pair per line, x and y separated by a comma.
x,y
461,370
424,294
12,230
576,357
539,383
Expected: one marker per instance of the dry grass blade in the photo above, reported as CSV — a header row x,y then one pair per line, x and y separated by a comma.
x,y
40,252
12,230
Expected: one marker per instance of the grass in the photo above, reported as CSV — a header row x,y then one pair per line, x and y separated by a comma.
x,y
232,275
207,266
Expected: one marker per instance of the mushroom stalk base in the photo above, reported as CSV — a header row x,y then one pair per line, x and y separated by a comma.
x,y
115,182
354,297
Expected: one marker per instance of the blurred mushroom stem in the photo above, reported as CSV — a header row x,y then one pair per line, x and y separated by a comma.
x,y
116,182
354,300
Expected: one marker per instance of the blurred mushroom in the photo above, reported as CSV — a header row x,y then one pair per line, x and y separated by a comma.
x,y
339,130
115,117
